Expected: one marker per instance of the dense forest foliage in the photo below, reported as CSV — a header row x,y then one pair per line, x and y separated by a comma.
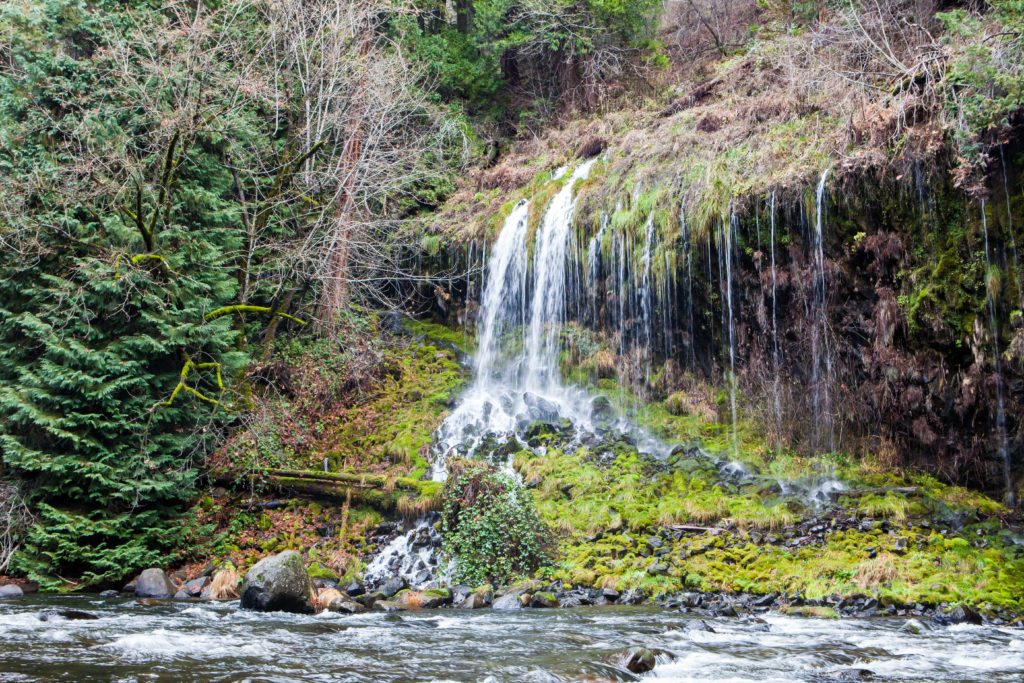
x,y
183,183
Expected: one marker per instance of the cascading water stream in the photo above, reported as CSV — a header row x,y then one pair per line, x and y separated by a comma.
x,y
776,398
729,226
513,386
688,255
1009,229
1004,446
821,368
645,297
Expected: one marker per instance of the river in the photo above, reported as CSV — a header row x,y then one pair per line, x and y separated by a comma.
x,y
181,641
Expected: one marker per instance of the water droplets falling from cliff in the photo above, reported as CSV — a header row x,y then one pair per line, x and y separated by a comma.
x,y
776,355
821,359
729,228
1002,440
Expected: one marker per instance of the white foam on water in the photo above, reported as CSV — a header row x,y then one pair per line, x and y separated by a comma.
x,y
167,644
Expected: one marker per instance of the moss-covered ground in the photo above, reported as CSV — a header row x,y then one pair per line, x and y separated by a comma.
x,y
620,519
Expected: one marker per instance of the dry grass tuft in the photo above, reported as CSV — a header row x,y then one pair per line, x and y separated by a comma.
x,y
414,507
224,585
876,571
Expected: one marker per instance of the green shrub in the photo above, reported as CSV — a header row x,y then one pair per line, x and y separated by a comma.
x,y
491,530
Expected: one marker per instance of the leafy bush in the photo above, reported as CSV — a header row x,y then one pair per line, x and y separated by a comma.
x,y
491,530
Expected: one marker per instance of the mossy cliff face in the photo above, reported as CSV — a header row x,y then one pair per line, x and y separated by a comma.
x,y
884,320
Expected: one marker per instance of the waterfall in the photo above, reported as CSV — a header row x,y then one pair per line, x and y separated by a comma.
x,y
514,385
1009,229
776,399
820,356
1004,446
547,309
688,255
729,227
645,297
504,291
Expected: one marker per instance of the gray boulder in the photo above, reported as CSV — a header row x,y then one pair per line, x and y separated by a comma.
x,y
195,587
10,591
602,414
279,583
540,408
508,601
153,583
345,605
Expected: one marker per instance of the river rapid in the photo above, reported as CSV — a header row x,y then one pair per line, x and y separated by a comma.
x,y
182,641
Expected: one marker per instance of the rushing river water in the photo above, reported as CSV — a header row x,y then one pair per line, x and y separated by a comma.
x,y
219,642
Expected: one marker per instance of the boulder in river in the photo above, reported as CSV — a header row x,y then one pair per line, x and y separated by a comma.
x,y
478,599
153,583
637,660
109,594
959,615
508,601
429,599
345,605
544,599
10,591
278,583
392,586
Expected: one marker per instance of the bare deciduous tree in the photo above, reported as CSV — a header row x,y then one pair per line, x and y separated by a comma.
x,y
14,519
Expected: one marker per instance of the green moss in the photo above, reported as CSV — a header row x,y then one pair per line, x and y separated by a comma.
x,y
433,333
318,571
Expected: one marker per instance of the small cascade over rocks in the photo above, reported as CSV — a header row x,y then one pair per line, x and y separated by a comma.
x,y
410,558
518,384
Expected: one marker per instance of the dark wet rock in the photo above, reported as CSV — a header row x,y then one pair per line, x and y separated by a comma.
x,y
757,624
636,660
110,594
477,600
722,609
699,625
392,586
959,615
345,605
322,583
852,675
543,599
278,583
459,594
195,587
913,626
387,606
367,600
355,589
69,614
540,408
508,601
153,583
657,568
633,596
602,415
9,591
690,600
610,594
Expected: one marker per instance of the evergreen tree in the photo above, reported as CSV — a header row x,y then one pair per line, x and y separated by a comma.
x,y
121,235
